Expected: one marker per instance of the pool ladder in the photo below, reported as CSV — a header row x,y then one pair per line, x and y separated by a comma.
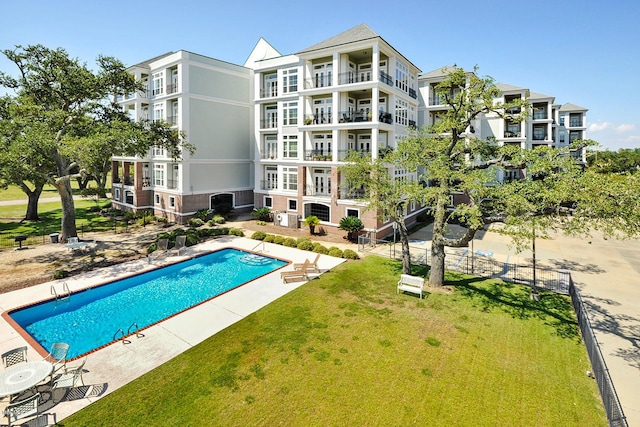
x,y
63,296
123,336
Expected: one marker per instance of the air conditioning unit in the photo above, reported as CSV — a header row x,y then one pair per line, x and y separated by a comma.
x,y
282,219
293,221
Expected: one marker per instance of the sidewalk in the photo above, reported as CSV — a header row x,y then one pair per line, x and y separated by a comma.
x,y
606,273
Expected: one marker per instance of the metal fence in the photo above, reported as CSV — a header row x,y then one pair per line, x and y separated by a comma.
x,y
45,235
560,281
599,369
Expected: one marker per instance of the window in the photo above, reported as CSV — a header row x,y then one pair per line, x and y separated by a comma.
x,y
172,202
290,178
290,113
158,175
562,121
402,108
157,199
158,111
293,205
402,76
268,202
539,111
290,146
575,120
290,80
128,196
174,176
158,84
574,135
353,212
323,212
322,109
270,85
158,151
322,74
117,194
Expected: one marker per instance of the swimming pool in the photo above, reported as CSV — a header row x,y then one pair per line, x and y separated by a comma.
x,y
92,318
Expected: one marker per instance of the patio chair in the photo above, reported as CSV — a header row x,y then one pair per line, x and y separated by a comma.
x,y
17,355
300,273
312,267
57,356
68,379
23,409
163,245
181,243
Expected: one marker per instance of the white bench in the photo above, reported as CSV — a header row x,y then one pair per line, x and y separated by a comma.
x,y
413,284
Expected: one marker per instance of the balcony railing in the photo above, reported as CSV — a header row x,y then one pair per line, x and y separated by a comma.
x,y
354,194
172,120
172,88
353,77
575,123
172,184
343,154
268,154
268,93
413,93
157,91
318,82
539,115
509,134
412,123
269,123
386,78
318,155
268,185
541,137
354,116
436,100
317,190
318,119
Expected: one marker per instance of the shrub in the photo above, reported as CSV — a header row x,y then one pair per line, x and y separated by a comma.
x,y
278,240
352,225
320,249
335,252
203,214
305,245
217,219
290,242
236,232
195,222
163,220
269,238
261,222
311,221
350,254
259,235
263,214
60,274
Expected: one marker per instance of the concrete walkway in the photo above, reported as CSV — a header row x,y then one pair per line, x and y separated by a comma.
x,y
607,274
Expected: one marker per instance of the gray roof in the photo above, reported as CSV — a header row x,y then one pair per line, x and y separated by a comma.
x,y
509,88
535,95
355,34
572,107
145,64
441,72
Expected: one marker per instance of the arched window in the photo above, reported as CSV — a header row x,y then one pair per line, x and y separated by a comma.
x,y
323,212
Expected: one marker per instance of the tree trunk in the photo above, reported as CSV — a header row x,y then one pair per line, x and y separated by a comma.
x,y
404,240
68,226
32,204
436,275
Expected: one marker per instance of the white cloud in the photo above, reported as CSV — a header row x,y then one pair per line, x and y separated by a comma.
x,y
613,136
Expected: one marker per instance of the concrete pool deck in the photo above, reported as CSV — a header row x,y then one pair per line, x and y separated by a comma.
x,y
112,367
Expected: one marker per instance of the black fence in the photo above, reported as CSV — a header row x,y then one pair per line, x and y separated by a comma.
x,y
46,235
599,369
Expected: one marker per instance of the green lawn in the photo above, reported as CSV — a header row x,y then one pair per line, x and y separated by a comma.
x,y
347,350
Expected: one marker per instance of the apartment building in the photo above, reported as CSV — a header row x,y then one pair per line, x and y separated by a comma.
x,y
351,92
211,101
274,132
548,123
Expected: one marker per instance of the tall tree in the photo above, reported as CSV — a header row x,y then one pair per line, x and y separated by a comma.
x,y
71,101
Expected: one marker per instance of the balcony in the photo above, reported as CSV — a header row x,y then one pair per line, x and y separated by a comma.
x,y
343,154
318,119
353,77
354,194
509,134
412,123
575,122
172,184
270,154
270,123
319,190
268,93
413,93
318,82
172,120
318,155
268,185
436,100
354,116
386,78
172,88
539,137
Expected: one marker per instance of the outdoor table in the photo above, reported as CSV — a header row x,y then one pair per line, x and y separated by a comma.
x,y
19,239
77,245
23,376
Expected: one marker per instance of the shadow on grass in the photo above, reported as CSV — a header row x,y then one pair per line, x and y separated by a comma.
x,y
554,309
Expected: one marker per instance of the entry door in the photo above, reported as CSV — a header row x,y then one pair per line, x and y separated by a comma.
x,y
271,116
364,143
323,74
272,177
271,147
271,85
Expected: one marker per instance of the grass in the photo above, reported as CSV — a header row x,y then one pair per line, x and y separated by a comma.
x,y
347,350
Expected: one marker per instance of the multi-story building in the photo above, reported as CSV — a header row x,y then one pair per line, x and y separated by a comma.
x,y
352,92
211,102
274,132
547,124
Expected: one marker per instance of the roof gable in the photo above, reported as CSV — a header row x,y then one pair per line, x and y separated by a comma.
x,y
355,34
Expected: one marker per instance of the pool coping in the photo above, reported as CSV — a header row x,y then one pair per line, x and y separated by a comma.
x,y
112,367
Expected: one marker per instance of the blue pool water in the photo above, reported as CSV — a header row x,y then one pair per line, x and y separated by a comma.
x,y
90,318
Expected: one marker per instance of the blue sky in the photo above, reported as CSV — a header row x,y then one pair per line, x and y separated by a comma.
x,y
580,51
